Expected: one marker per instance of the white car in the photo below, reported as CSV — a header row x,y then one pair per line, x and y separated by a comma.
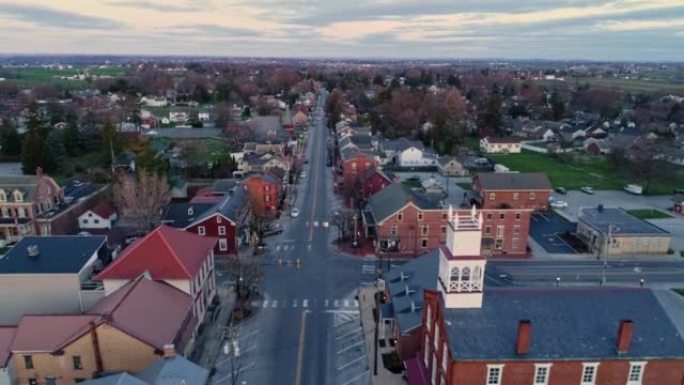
x,y
294,213
558,204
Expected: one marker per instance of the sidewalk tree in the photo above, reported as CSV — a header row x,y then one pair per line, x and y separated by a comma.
x,y
142,197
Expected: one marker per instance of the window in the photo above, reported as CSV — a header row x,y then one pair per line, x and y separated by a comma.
x,y
3,196
589,373
489,216
445,358
498,245
420,216
429,320
223,244
353,164
636,373
267,188
393,231
533,196
96,221
423,243
425,350
443,229
444,216
517,216
435,340
18,196
85,221
515,244
488,229
516,196
28,362
492,196
399,216
502,215
425,230
222,230
541,374
201,230
78,365
434,370
500,231
191,211
465,275
267,198
494,373
516,230
33,381
77,380
218,219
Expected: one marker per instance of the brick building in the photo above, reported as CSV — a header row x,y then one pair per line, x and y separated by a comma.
x,y
372,181
512,190
354,163
401,220
470,335
265,192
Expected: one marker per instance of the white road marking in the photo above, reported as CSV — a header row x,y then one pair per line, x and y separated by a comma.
x,y
357,359
275,303
356,303
294,303
326,303
356,378
326,224
355,344
336,303
278,248
346,303
305,303
349,333
265,304
315,223
309,246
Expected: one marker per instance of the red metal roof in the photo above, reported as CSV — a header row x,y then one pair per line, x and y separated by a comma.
x,y
49,333
6,338
416,372
165,253
152,311
104,210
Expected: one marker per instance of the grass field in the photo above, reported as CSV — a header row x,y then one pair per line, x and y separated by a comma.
x,y
636,85
649,214
679,291
589,171
32,76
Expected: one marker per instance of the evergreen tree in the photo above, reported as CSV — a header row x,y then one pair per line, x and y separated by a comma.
x,y
10,140
111,143
55,142
71,137
35,152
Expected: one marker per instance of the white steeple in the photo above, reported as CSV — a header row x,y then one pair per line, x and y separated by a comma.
x,y
461,265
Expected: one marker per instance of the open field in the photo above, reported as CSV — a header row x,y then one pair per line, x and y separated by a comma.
x,y
649,214
590,171
32,76
659,85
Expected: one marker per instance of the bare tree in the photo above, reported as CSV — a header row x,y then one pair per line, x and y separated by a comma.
x,y
257,221
142,197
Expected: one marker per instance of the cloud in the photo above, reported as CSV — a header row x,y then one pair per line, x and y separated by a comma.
x,y
49,17
213,30
159,7
639,25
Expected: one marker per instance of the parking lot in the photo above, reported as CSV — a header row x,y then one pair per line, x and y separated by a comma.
x,y
613,198
545,230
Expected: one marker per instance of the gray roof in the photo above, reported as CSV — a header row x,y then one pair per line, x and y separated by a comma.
x,y
393,197
27,184
181,133
58,254
419,274
572,323
224,186
401,144
182,214
229,206
351,152
116,379
444,160
167,371
514,181
619,221
262,125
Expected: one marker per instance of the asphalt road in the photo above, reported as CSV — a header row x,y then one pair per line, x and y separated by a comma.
x,y
291,339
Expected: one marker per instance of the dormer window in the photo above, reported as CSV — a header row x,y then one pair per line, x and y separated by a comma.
x,y
3,196
190,211
18,196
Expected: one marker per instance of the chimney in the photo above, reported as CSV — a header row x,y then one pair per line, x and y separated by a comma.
x,y
169,351
522,342
39,171
624,337
33,251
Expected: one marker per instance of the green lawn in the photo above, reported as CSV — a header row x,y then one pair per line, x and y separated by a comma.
x,y
635,85
591,171
32,76
649,214
679,291
464,185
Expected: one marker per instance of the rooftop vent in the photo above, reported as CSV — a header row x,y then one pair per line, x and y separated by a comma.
x,y
415,307
33,251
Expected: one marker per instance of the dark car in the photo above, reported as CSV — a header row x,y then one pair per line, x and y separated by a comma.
x,y
561,190
273,229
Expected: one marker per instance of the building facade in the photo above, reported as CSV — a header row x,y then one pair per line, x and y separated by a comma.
x,y
354,164
264,194
512,190
500,145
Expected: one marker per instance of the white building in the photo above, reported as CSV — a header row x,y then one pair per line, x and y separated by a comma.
x,y
500,145
101,216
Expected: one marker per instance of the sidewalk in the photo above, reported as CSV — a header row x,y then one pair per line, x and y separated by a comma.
x,y
208,343
366,305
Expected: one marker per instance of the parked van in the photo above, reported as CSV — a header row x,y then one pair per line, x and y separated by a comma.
x,y
634,189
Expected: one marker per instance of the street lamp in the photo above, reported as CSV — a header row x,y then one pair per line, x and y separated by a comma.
x,y
557,281
641,282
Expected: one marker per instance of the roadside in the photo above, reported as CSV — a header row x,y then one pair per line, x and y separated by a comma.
x,y
209,340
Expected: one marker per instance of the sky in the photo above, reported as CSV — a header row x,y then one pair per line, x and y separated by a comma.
x,y
641,30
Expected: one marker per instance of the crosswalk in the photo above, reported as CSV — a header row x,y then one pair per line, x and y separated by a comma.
x,y
368,269
304,303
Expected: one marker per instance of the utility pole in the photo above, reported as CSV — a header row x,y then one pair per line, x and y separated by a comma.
x,y
377,327
608,243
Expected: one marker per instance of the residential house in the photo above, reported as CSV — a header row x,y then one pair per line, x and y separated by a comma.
x,y
500,145
154,101
101,216
450,166
403,152
6,337
225,221
125,331
354,164
609,231
401,220
50,275
372,181
265,192
178,114
471,334
179,258
125,161
300,118
79,197
512,190
170,367
206,114
180,215
22,199
261,163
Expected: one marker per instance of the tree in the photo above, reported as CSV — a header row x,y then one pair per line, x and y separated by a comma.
x,y
35,151
55,142
557,106
489,118
257,221
111,143
71,137
10,140
142,197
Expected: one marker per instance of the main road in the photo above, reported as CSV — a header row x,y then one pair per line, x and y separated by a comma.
x,y
308,293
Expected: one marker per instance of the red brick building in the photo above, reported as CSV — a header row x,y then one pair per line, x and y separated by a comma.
x,y
512,190
400,220
471,335
372,181
354,163
264,193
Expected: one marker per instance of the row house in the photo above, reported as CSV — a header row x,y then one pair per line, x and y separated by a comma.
x,y
180,258
372,181
22,199
500,145
128,330
504,190
354,163
265,193
402,220
470,334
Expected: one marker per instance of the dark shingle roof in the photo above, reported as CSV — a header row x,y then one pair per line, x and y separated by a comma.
x,y
393,197
514,181
229,206
576,323
619,221
401,144
180,215
178,368
58,254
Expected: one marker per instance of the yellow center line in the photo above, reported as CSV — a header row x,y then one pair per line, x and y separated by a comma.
x,y
300,353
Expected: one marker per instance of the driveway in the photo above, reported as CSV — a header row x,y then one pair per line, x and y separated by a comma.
x,y
546,228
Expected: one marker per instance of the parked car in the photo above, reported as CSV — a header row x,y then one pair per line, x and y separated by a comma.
x,y
561,190
273,229
587,190
302,174
634,189
294,213
558,204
